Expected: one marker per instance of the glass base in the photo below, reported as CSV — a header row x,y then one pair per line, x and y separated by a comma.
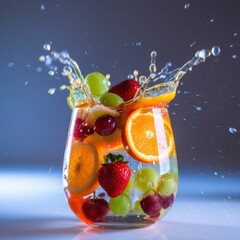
x,y
126,222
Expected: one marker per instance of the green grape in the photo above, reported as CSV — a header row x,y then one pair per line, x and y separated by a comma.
x,y
146,179
111,100
120,205
137,207
167,184
97,83
128,188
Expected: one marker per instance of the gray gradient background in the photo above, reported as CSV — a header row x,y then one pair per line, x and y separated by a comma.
x,y
33,124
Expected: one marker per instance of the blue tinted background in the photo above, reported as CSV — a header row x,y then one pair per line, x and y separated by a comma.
x,y
117,37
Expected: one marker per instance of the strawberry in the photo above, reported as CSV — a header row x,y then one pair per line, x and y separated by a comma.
x,y
114,176
126,89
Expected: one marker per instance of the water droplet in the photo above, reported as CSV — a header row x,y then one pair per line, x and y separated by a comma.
x,y
203,54
41,58
39,69
232,130
26,83
11,64
234,56
130,76
187,5
235,34
212,20
51,73
42,7
108,76
51,91
138,44
153,54
48,60
198,108
47,47
192,44
63,87
215,173
216,50
66,70
153,68
231,46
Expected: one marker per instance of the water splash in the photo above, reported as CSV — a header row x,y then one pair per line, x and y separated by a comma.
x,y
156,84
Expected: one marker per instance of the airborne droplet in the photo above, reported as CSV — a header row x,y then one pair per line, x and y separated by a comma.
x,y
232,130
47,47
216,50
51,91
187,5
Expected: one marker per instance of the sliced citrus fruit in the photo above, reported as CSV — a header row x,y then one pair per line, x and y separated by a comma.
x,y
83,169
75,202
158,101
147,135
112,142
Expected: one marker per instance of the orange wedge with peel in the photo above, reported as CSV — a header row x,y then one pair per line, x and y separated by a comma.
x,y
147,135
83,169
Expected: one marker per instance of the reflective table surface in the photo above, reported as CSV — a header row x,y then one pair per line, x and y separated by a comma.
x,y
32,206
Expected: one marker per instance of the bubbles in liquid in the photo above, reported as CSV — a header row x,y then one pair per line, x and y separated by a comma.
x,y
51,91
11,64
47,47
234,56
216,50
232,130
187,5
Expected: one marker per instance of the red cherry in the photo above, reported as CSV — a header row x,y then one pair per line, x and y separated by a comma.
x,y
105,125
81,130
151,205
95,209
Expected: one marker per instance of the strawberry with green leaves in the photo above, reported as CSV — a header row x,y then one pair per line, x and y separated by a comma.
x,y
114,175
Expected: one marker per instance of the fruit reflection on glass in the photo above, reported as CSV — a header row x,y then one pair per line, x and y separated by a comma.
x,y
120,166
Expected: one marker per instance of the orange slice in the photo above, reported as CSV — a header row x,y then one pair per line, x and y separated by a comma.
x,y
75,202
159,101
147,135
112,142
83,169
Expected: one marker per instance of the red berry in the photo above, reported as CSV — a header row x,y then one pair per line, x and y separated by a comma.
x,y
151,205
95,209
167,201
81,130
105,125
114,178
126,89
